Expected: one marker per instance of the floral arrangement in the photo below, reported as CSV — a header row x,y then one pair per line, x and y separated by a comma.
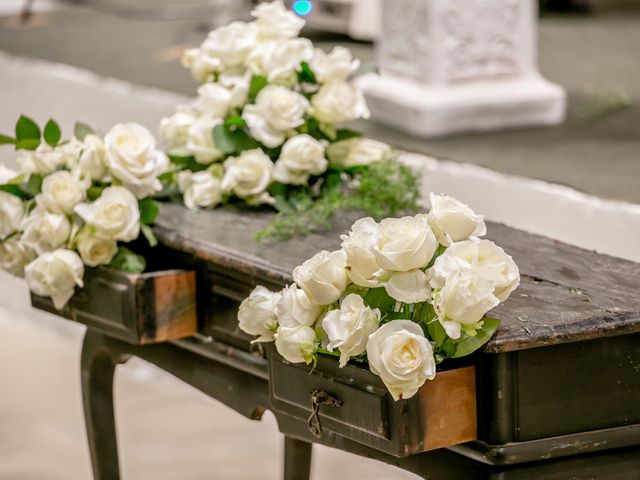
x,y
264,129
75,203
401,295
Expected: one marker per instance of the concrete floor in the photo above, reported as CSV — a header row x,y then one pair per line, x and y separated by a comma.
x,y
592,56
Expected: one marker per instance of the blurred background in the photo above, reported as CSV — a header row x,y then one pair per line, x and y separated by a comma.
x,y
105,61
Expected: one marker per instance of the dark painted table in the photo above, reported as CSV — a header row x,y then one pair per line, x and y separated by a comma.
x,y
558,387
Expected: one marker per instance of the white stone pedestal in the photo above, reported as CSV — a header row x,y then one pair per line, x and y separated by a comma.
x,y
451,66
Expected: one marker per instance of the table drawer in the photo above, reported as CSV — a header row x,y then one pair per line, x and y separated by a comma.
x,y
138,308
441,414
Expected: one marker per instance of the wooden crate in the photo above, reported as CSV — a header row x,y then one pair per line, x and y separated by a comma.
x,y
441,414
138,308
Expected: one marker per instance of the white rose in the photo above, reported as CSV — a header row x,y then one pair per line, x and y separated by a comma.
x,y
402,356
200,141
11,214
44,231
276,111
133,159
404,244
237,80
296,308
55,275
348,328
453,221
249,175
61,192
200,189
362,265
256,315
280,60
14,255
486,257
6,174
213,99
230,44
408,287
463,300
115,214
301,157
337,65
70,152
95,250
323,277
200,63
337,102
43,160
296,344
174,130
274,20
357,152
91,163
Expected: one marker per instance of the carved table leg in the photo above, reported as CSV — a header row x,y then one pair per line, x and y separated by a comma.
x,y
297,459
98,367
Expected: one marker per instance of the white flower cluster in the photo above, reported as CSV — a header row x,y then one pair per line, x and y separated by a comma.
x,y
250,75
50,237
430,262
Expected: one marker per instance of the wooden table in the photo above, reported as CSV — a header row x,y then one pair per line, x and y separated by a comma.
x,y
558,387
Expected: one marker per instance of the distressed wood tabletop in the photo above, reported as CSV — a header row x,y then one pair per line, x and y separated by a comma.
x,y
566,293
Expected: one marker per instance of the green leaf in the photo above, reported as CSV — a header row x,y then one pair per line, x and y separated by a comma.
x,y
149,209
258,82
167,177
235,121
346,134
149,235
14,190
436,332
127,261
52,133
379,298
33,185
27,133
329,130
5,139
94,192
232,142
468,344
81,130
27,144
306,75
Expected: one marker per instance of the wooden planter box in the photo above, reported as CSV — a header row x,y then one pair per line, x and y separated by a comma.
x,y
441,414
137,308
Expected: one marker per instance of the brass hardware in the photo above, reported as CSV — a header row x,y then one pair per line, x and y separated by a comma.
x,y
320,397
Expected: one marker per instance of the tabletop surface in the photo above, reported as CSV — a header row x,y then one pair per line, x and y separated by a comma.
x,y
566,293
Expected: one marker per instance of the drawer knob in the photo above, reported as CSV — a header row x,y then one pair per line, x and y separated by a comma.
x,y
318,398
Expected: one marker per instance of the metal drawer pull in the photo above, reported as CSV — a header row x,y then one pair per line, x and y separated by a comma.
x,y
320,397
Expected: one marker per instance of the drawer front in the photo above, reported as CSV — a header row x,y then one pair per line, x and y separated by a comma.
x,y
222,294
146,308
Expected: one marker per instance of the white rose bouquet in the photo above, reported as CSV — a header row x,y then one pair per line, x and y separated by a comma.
x,y
264,129
75,203
403,295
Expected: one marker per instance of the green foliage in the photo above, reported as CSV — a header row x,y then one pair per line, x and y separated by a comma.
x,y
149,209
384,189
33,186
7,140
258,82
127,261
81,130
306,75
52,133
149,235
233,141
15,190
469,344
94,191
346,134
27,134
379,298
